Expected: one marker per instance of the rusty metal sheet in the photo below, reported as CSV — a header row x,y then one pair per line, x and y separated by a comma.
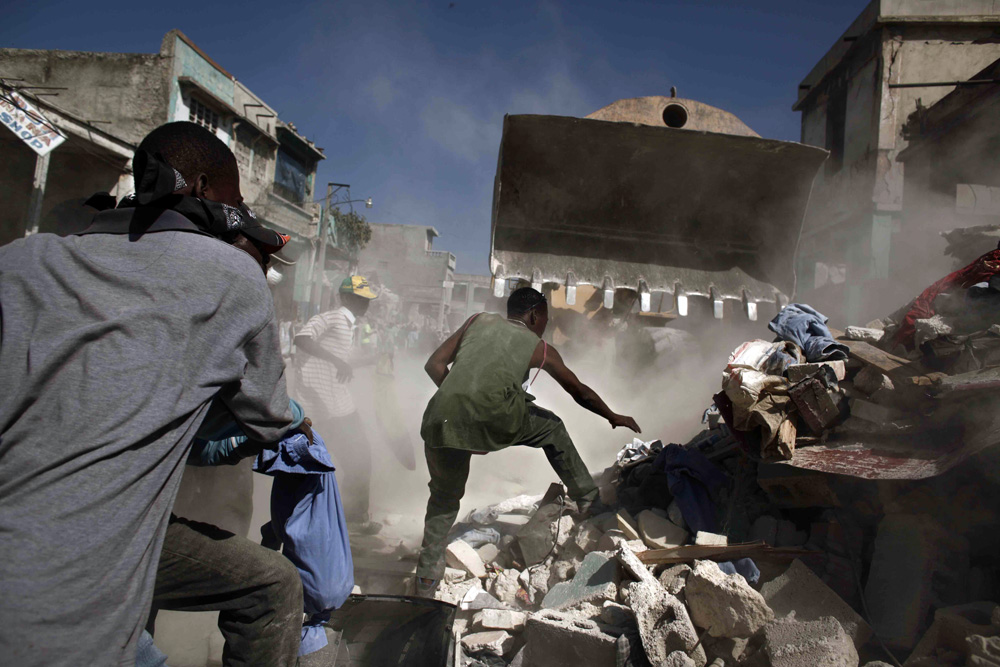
x,y
918,456
650,208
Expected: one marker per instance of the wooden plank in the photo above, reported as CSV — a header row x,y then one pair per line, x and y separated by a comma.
x,y
692,552
893,366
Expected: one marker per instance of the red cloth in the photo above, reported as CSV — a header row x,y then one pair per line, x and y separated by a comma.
x,y
979,271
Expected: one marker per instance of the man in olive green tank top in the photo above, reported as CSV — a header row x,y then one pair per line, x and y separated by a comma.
x,y
480,406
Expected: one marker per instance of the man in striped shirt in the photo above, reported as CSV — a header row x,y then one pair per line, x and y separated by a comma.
x,y
328,366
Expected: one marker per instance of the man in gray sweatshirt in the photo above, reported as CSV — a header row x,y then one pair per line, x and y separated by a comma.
x,y
113,345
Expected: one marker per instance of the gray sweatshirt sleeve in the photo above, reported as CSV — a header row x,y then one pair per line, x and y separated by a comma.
x,y
259,401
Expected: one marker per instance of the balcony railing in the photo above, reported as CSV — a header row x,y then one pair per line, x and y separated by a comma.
x,y
444,254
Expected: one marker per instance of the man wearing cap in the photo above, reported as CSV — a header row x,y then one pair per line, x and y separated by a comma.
x,y
327,341
115,343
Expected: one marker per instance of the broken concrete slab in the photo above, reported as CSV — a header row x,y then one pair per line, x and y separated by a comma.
x,y
865,334
712,539
633,566
453,576
660,533
596,579
461,556
488,553
506,586
616,614
500,619
725,605
790,643
951,627
673,579
799,590
799,372
557,640
872,412
494,642
611,540
587,536
664,623
870,380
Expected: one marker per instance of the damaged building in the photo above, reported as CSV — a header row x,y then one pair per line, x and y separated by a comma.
x,y
105,103
861,248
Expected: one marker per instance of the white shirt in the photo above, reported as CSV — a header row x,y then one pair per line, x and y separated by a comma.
x,y
322,395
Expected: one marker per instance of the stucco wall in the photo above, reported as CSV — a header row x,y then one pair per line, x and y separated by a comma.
x,y
127,89
399,255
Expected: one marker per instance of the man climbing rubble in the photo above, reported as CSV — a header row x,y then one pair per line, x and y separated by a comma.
x,y
481,407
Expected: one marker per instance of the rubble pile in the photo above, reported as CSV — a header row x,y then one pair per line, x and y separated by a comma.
x,y
831,513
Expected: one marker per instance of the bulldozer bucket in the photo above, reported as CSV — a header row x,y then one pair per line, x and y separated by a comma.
x,y
664,212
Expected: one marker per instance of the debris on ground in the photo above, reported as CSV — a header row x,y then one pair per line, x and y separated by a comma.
x,y
836,510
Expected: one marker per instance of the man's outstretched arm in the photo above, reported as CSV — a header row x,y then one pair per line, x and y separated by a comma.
x,y
581,393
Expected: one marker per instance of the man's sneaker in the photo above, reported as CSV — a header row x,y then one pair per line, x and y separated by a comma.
x,y
425,588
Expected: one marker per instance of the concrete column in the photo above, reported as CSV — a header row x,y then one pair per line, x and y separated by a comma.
x,y
37,195
470,290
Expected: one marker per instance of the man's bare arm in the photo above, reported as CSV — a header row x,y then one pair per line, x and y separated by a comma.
x,y
437,366
581,393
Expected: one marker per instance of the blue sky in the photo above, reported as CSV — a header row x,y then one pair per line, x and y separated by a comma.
x,y
407,98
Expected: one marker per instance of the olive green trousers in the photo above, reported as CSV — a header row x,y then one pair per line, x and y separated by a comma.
x,y
449,469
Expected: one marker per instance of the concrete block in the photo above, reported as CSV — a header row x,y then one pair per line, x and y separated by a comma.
x,y
501,619
710,539
911,552
461,556
819,406
587,536
789,487
870,380
494,642
557,640
866,334
628,525
507,586
611,540
673,579
675,515
725,605
453,576
488,553
872,412
634,567
663,621
596,579
801,591
660,533
799,372
789,643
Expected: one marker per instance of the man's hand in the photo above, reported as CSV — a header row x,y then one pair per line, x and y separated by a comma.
x,y
306,428
344,371
622,420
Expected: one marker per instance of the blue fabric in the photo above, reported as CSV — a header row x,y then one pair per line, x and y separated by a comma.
x,y
744,567
691,478
308,519
147,655
806,327
218,439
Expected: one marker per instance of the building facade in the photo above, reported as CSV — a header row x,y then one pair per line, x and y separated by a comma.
x,y
860,256
107,102
402,258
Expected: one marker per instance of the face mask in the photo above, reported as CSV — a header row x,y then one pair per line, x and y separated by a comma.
x,y
274,276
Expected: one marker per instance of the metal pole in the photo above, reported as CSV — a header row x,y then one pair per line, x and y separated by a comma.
x,y
319,267
37,195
